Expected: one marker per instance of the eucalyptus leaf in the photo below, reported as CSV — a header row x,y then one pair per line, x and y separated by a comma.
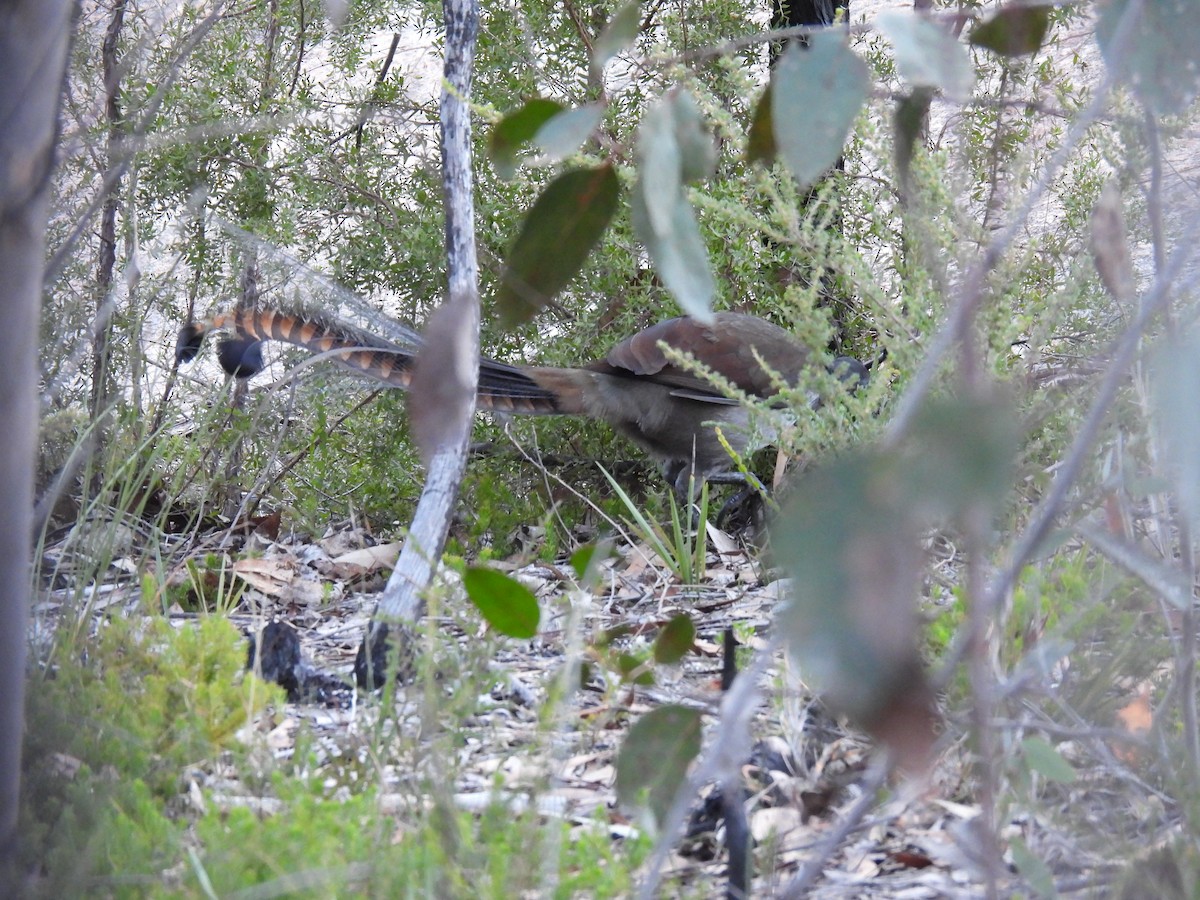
x,y
1017,29
654,758
760,142
660,166
506,604
558,233
634,669
620,32
515,131
1042,758
1033,869
927,55
673,240
961,455
587,560
816,94
842,538
675,640
853,548
581,560
565,132
697,149
1176,382
673,146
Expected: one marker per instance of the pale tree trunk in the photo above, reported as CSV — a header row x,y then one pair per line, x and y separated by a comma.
x,y
402,603
33,56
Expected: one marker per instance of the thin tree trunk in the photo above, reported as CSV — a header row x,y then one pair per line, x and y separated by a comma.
x,y
33,57
248,293
402,602
101,342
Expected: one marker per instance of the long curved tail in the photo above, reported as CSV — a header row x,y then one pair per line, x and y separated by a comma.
x,y
502,388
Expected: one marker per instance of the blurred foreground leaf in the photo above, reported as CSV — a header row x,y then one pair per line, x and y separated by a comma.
x,y
850,536
513,134
673,148
1014,30
1176,381
619,33
655,756
1158,60
927,55
815,97
675,640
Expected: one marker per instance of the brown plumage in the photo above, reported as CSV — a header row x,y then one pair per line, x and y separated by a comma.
x,y
666,409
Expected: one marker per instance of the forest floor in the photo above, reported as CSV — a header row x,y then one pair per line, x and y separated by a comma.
x,y
519,747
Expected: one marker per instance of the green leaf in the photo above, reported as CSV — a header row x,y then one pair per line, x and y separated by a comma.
x,y
660,166
506,604
677,249
558,233
544,124
1033,869
565,133
675,640
671,148
962,453
619,33
513,133
587,559
1159,58
853,548
697,150
633,669
927,55
854,553
655,756
1042,758
815,97
581,559
1015,30
760,143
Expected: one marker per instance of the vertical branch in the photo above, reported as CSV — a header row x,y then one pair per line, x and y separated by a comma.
x,y
101,340
402,599
33,60
201,243
271,42
462,26
372,103
248,293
